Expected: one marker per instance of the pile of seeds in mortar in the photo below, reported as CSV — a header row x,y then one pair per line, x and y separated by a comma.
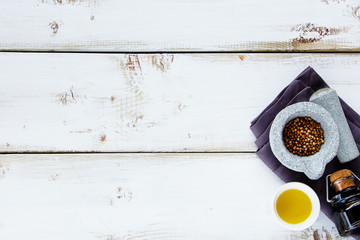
x,y
303,136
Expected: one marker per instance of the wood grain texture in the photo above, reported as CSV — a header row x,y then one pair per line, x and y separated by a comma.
x,y
131,103
142,196
180,25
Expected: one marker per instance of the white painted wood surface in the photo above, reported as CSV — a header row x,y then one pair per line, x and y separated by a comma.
x,y
77,102
141,196
180,25
131,103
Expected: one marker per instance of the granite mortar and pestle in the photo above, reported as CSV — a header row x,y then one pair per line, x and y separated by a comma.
x,y
325,108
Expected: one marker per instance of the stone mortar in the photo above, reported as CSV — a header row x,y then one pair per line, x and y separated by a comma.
x,y
313,166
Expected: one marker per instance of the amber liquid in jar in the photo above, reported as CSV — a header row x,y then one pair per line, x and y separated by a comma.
x,y
346,202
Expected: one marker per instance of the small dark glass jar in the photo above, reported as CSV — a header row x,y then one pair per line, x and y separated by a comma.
x,y
346,202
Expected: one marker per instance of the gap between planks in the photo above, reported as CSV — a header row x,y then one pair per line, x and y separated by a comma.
x,y
310,51
134,152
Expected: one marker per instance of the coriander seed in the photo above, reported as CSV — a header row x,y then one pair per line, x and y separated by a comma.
x,y
303,136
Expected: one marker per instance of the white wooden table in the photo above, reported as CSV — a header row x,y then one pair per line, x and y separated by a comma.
x,y
129,119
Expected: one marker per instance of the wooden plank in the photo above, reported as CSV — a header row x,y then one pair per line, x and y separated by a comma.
x,y
180,25
141,196
181,102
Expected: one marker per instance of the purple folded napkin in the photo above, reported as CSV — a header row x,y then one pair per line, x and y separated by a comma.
x,y
300,90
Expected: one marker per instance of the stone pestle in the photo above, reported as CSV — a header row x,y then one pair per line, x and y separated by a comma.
x,y
327,98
